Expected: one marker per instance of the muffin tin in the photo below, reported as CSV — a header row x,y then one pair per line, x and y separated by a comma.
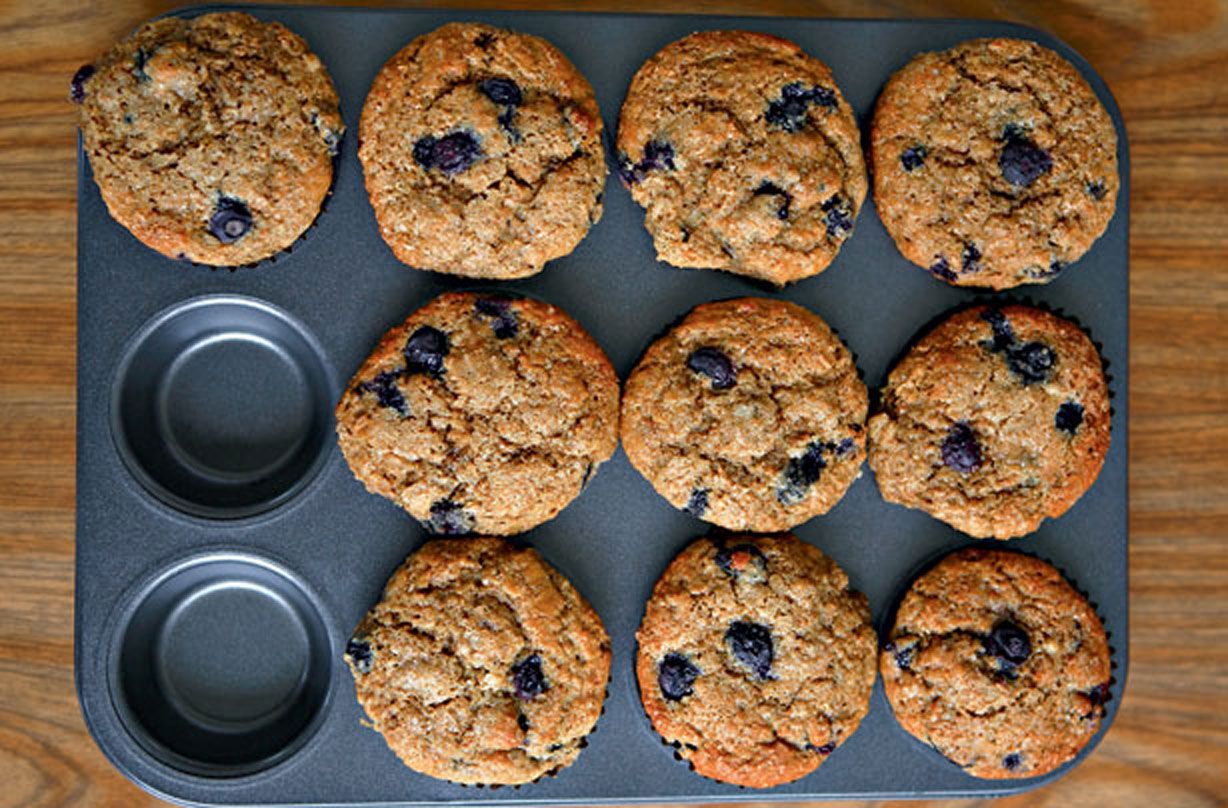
x,y
224,551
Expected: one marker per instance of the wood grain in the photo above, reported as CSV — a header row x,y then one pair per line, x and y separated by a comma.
x,y
1167,63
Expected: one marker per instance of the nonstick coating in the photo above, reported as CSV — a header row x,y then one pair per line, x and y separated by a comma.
x,y
322,547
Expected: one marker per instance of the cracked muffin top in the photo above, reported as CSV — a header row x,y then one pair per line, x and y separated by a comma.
x,y
481,663
212,138
482,152
994,163
996,419
998,663
756,659
744,155
481,413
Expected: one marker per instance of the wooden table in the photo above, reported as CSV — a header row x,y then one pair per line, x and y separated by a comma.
x,y
1167,63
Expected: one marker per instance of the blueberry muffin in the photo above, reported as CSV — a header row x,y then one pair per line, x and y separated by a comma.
x,y
743,154
482,152
998,663
748,414
996,419
212,138
755,660
481,664
994,163
481,414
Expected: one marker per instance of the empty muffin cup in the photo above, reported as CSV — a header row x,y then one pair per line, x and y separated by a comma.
x,y
222,407
223,667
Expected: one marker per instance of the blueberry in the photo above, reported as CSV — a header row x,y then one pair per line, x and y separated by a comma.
x,y
1012,761
359,652
522,721
676,677
77,87
1003,334
716,365
1008,642
448,519
971,258
941,269
504,321
960,449
913,157
1097,190
801,473
384,385
735,560
789,111
1098,696
658,156
451,154
1069,417
1022,161
839,217
903,656
501,91
822,749
751,644
771,189
845,447
425,350
527,678
139,60
505,119
231,220
697,504
1032,362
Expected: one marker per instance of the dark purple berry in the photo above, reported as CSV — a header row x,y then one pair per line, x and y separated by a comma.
x,y
971,258
448,519
751,644
1003,334
1069,417
505,119
845,447
77,86
1009,643
960,449
735,560
676,677
502,91
839,217
1022,161
139,60
1097,190
914,157
503,318
697,504
801,473
713,363
789,112
527,678
771,189
451,154
384,385
1012,761
359,652
1098,696
941,269
658,156
231,220
425,350
522,721
822,749
903,656
1032,362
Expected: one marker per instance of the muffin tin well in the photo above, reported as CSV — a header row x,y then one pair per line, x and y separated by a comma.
x,y
225,552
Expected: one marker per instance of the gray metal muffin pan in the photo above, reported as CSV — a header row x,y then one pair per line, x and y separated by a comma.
x,y
224,551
